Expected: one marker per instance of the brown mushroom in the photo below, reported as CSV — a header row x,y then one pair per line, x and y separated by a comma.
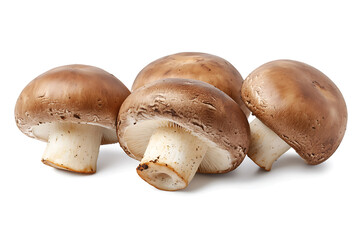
x,y
74,109
177,127
198,66
295,106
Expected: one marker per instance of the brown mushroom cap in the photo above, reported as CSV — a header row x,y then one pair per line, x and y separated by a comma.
x,y
198,107
300,104
73,93
199,66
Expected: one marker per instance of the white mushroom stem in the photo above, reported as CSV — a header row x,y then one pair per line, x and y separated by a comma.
x,y
266,146
172,158
73,147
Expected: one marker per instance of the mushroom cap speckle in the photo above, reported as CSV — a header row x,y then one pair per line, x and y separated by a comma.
x,y
73,93
199,66
198,107
300,104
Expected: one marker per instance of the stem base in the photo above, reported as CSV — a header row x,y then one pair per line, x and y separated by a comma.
x,y
73,147
266,146
171,159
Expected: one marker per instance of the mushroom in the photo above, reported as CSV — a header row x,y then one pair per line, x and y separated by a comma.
x,y
199,66
177,127
295,106
74,109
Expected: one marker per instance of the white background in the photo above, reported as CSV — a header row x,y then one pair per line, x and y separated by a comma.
x,y
293,201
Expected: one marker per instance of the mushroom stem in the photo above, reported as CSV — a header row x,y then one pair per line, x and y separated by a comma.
x,y
172,158
73,147
266,146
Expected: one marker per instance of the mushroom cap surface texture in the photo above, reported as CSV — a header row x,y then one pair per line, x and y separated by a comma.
x,y
77,94
199,108
198,66
300,104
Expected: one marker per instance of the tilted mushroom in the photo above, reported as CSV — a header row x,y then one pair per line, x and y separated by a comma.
x,y
178,126
198,66
295,106
74,109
